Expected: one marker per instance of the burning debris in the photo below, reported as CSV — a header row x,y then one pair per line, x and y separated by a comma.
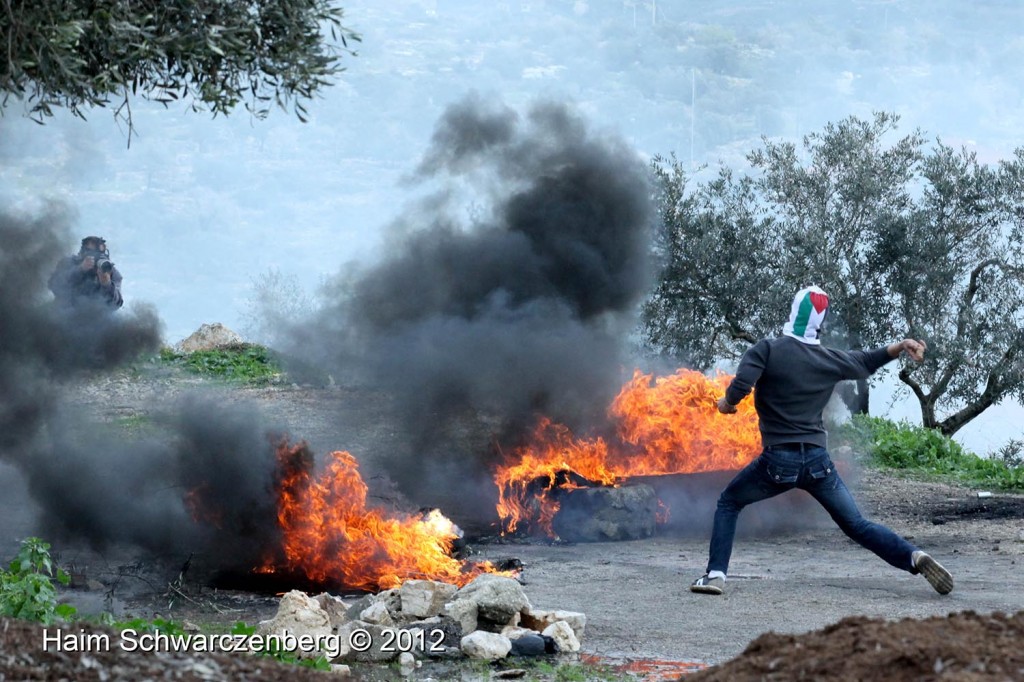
x,y
525,306
523,310
661,427
332,538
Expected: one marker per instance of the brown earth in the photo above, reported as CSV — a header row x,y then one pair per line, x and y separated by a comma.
x,y
789,578
963,646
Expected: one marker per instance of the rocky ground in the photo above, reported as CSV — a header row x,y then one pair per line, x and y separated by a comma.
x,y
787,578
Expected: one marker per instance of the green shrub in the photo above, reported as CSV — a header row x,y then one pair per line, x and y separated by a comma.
x,y
926,451
242,362
26,588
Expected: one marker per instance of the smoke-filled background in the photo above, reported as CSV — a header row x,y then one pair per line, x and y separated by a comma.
x,y
493,249
42,345
198,208
79,479
471,321
522,306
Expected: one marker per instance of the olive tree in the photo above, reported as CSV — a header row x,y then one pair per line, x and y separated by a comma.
x,y
955,267
718,291
906,240
214,54
738,247
828,203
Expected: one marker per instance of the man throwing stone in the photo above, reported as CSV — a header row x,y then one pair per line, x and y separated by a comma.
x,y
794,376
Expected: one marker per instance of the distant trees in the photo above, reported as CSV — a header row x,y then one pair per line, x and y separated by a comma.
x,y
215,54
955,267
906,240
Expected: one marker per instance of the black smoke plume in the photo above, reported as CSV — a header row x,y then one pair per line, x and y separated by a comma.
x,y
522,308
203,483
90,482
42,345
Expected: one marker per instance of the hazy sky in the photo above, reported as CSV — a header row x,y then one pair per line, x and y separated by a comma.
x,y
197,207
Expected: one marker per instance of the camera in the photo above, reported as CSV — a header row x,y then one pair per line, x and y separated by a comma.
x,y
101,263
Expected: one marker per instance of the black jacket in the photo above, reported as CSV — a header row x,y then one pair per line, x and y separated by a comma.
x,y
793,383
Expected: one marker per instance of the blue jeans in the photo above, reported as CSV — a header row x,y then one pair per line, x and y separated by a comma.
x,y
800,465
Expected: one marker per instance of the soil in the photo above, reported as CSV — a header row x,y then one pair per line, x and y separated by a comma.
x,y
963,646
833,610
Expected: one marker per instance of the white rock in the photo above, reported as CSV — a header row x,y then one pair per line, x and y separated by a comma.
x,y
406,660
485,646
335,608
464,611
499,599
208,337
514,632
424,598
563,636
376,613
299,615
341,669
537,619
393,601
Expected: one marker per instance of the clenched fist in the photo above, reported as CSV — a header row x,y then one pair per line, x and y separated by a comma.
x,y
724,407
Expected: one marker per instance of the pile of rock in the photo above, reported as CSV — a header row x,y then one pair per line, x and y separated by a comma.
x,y
208,337
488,619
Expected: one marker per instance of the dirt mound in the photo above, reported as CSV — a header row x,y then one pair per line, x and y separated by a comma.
x,y
22,657
961,646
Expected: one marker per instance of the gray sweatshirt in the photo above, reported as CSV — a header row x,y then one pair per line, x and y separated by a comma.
x,y
794,381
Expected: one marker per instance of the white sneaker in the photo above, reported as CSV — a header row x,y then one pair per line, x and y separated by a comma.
x,y
934,573
706,585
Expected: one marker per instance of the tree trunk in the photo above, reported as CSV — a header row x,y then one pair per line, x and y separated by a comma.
x,y
956,421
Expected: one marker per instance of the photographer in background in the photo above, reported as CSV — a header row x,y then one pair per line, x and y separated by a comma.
x,y
87,276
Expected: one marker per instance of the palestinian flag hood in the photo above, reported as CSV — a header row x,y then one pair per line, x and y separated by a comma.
x,y
810,306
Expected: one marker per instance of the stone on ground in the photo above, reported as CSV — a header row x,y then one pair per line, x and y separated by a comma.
x,y
208,337
424,598
537,619
486,646
498,601
298,615
563,636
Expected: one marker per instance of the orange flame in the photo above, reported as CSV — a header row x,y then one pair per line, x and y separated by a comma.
x,y
668,425
331,537
524,487
677,427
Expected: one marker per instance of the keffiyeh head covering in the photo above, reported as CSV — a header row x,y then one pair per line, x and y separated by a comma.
x,y
810,306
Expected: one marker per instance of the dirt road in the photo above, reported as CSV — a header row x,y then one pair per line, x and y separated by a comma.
x,y
636,596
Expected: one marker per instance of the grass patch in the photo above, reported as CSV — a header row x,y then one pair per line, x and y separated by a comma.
x,y
133,424
245,362
917,450
571,672
542,670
